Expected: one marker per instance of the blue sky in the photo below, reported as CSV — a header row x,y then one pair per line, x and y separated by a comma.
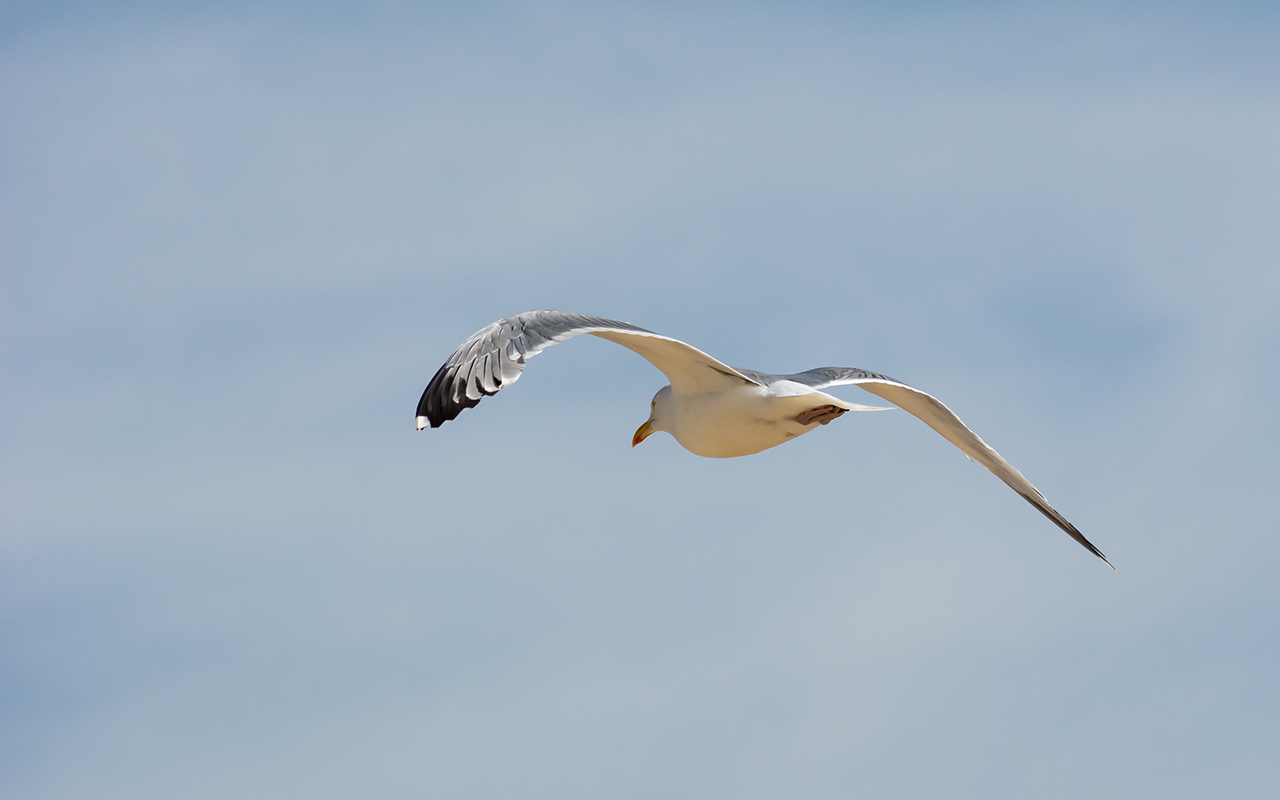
x,y
237,242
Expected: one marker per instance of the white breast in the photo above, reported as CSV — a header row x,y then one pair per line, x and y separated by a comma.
x,y
738,421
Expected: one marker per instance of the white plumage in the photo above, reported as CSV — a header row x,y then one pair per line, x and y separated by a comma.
x,y
710,408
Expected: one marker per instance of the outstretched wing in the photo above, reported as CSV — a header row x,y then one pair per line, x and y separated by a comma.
x,y
495,356
944,421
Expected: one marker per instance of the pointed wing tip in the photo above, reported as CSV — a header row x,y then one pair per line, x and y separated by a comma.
x,y
1088,545
422,422
1039,503
1079,537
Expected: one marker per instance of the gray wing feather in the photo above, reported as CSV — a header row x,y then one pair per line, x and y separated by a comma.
x,y
495,356
933,413
835,376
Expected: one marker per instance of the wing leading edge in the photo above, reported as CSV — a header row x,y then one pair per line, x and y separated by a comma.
x,y
936,415
495,356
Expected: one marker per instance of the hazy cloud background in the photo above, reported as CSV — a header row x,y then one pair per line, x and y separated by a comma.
x,y
237,241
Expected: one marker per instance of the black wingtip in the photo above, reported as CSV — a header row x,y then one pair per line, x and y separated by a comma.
x,y
1061,522
434,406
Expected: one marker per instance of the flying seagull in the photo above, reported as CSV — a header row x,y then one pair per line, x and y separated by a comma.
x,y
710,408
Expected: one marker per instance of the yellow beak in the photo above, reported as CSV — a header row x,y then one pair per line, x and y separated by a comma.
x,y
642,433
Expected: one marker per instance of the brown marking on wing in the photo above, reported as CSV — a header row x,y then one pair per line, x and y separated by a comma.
x,y
819,414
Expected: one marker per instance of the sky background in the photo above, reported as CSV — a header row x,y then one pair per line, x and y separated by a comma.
x,y
237,239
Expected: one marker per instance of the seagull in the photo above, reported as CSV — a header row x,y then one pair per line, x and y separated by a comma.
x,y
710,408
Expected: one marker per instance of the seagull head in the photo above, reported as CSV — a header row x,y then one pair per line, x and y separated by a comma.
x,y
659,411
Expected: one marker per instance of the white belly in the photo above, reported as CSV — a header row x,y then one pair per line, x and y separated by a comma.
x,y
739,422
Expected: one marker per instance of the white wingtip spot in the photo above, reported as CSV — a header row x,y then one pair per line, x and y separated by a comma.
x,y
423,422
